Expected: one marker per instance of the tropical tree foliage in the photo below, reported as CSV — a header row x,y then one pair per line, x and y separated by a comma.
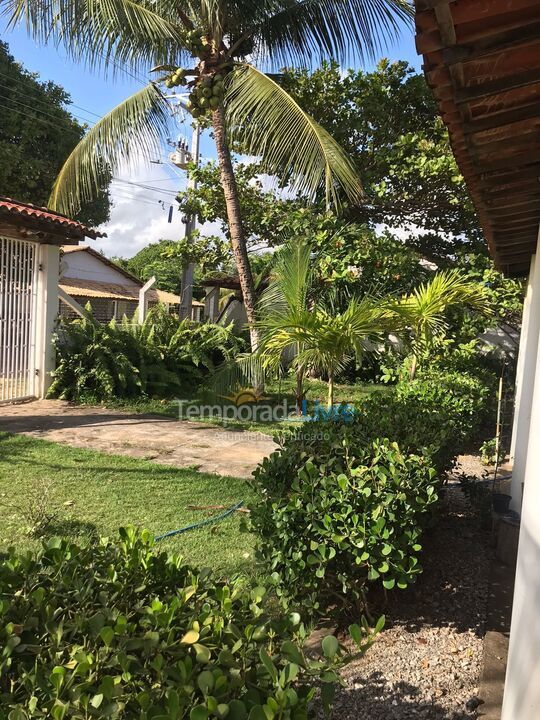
x,y
37,133
388,122
214,48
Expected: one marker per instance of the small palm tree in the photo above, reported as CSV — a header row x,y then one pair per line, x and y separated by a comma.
x,y
213,47
282,306
293,322
422,313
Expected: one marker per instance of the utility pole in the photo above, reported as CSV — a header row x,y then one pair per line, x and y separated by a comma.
x,y
186,292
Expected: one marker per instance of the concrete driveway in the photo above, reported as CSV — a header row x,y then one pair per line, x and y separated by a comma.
x,y
168,442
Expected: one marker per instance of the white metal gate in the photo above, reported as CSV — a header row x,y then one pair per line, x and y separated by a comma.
x,y
18,295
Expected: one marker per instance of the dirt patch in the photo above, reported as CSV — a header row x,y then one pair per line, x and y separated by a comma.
x,y
427,662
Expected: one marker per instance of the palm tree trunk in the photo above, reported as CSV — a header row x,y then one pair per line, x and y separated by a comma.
x,y
299,390
234,217
330,389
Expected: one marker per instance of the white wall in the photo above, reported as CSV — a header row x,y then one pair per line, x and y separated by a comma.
x,y
46,314
528,352
522,688
84,266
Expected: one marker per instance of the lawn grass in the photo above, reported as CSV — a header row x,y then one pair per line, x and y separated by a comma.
x,y
96,493
275,393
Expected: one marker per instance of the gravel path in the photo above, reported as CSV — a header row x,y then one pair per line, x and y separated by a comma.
x,y
427,662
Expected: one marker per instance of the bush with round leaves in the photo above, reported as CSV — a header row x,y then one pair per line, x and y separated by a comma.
x,y
346,520
119,630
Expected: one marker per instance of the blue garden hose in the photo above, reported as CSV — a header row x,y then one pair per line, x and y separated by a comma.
x,y
202,523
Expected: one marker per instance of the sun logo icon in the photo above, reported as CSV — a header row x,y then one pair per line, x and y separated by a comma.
x,y
244,396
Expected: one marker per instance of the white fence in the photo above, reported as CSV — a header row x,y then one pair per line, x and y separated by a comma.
x,y
18,299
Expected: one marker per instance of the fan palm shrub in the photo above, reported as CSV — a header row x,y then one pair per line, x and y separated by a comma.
x,y
215,48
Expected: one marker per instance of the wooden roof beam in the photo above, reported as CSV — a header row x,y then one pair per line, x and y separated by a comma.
x,y
502,118
494,43
499,85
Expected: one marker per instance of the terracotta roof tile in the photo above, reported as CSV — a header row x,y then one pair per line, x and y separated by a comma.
x,y
47,217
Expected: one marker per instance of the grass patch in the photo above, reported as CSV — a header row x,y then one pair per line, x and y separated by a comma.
x,y
275,394
94,494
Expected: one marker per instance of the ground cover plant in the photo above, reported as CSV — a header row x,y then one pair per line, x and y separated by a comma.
x,y
92,494
118,630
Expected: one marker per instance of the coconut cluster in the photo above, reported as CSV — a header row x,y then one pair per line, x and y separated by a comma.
x,y
196,43
176,78
206,95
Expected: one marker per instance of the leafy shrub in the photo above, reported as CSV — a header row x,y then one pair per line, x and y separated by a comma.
x,y
127,360
435,415
117,630
350,518
490,454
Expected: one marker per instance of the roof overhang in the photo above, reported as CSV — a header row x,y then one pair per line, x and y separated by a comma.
x,y
482,60
29,222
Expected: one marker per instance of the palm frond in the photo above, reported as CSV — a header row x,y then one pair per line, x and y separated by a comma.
x,y
270,124
244,371
424,309
291,281
109,31
346,30
130,130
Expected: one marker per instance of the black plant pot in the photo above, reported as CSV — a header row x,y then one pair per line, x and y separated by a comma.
x,y
501,503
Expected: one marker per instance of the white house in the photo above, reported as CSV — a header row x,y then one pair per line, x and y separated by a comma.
x,y
482,60
89,277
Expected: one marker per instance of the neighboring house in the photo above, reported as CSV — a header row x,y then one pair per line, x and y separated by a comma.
x,y
89,277
29,260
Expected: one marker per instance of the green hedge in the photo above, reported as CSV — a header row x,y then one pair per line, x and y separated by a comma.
x,y
346,520
336,497
118,630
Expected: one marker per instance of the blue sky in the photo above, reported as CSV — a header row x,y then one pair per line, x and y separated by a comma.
x,y
138,216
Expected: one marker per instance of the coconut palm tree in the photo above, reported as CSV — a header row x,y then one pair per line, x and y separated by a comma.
x,y
423,312
213,47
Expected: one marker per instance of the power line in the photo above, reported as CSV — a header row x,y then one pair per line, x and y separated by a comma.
x,y
46,104
161,191
39,110
21,112
143,201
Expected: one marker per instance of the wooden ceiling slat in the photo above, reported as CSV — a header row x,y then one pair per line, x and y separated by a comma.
x,y
505,117
517,161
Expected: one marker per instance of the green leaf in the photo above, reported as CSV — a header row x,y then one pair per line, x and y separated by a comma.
x,y
268,664
205,681
237,710
203,653
107,635
330,646
291,652
199,712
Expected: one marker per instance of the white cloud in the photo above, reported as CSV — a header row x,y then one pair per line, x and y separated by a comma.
x,y
139,215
